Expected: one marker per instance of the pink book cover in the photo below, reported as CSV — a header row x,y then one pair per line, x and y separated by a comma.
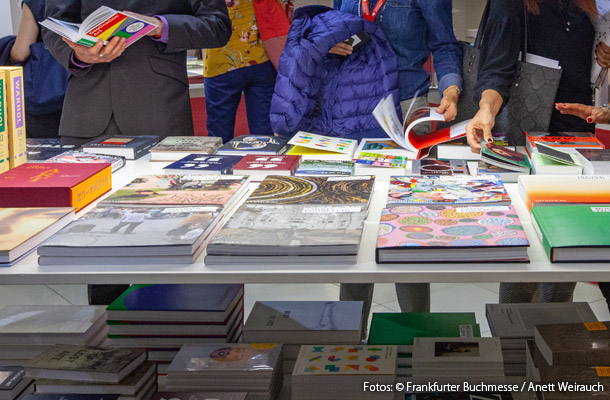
x,y
448,226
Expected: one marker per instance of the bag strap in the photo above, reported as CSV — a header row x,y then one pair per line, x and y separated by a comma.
x,y
482,26
525,32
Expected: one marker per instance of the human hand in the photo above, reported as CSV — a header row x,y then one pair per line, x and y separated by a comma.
x,y
480,128
98,53
602,51
342,49
593,115
448,106
151,20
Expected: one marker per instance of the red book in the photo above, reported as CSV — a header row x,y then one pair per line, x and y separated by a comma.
x,y
260,166
54,185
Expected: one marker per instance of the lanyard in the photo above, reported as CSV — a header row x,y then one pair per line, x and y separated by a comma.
x,y
365,9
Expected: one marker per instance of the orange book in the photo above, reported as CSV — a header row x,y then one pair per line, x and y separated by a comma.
x,y
541,189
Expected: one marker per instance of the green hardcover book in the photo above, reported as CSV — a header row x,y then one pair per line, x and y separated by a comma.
x,y
402,328
574,233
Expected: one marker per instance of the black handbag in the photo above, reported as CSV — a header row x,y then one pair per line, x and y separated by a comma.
x,y
532,94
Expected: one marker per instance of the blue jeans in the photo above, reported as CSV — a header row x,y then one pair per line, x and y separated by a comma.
x,y
223,94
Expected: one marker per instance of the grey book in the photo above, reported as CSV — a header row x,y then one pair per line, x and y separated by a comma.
x,y
173,148
574,344
12,382
583,376
457,353
533,361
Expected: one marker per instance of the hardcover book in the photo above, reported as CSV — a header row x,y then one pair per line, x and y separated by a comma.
x,y
507,175
449,234
313,190
179,303
582,140
13,83
461,190
112,231
543,165
72,157
12,382
130,147
102,24
585,343
381,146
325,168
40,149
594,161
179,190
428,166
54,185
381,160
200,396
504,157
4,152
541,190
257,165
352,360
27,228
173,148
457,353
252,144
574,233
203,164
88,364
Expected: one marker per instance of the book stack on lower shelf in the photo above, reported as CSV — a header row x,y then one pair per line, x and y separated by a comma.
x,y
14,385
162,318
82,370
28,331
515,323
252,368
296,323
576,358
458,360
329,372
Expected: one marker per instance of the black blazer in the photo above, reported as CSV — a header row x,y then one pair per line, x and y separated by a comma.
x,y
147,87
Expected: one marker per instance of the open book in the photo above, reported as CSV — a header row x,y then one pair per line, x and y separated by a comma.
x,y
418,146
103,24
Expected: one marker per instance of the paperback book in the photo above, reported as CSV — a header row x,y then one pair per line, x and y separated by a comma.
x,y
342,147
595,161
75,157
507,175
203,164
381,146
564,140
381,160
504,157
40,149
325,168
585,343
429,166
130,147
252,144
543,165
5,158
544,190
13,382
15,114
257,166
173,148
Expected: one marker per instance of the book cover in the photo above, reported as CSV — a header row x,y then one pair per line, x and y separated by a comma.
x,y
308,153
74,157
562,140
585,189
323,168
381,146
203,164
556,154
133,231
54,185
253,163
131,147
313,190
544,165
595,155
252,144
40,149
200,396
4,152
178,190
381,160
325,143
403,328
428,166
482,190
345,361
507,175
24,225
13,80
585,343
505,157
226,357
190,144
10,377
441,353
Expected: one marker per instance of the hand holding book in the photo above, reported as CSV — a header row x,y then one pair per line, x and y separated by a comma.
x,y
98,53
151,20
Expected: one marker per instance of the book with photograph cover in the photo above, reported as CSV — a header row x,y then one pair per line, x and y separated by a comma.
x,y
325,168
117,162
40,149
253,144
130,147
429,166
203,164
173,148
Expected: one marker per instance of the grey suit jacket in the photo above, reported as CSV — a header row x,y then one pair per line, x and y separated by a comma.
x,y
147,87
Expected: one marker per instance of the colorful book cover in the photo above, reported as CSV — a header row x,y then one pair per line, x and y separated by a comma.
x,y
484,189
564,189
4,153
16,114
563,139
429,166
72,157
504,157
254,162
226,357
203,164
345,360
252,144
325,143
403,328
40,149
54,185
313,190
191,144
381,160
447,226
178,190
132,147
323,167
506,175
380,146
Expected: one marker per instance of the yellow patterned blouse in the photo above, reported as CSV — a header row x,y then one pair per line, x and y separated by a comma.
x,y
245,48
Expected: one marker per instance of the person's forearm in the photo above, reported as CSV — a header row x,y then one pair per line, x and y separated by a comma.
x,y
491,101
27,35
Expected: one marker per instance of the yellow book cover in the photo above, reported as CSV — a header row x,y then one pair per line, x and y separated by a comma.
x,y
4,157
308,151
16,114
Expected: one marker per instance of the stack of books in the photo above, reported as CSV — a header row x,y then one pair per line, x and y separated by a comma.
x,y
80,157
299,220
296,323
562,140
162,318
594,161
156,219
14,385
329,372
458,360
401,329
222,367
28,331
82,370
174,148
514,324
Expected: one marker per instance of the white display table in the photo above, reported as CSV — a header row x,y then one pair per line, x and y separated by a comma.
x,y
366,270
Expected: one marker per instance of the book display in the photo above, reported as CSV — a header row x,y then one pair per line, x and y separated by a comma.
x,y
173,148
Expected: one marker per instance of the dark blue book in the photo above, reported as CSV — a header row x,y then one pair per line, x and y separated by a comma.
x,y
251,144
39,149
71,397
203,164
13,382
130,147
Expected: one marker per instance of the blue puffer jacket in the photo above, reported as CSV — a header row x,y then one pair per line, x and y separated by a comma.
x,y
327,94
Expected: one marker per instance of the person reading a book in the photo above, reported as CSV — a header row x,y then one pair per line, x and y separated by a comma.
x,y
559,30
140,89
415,29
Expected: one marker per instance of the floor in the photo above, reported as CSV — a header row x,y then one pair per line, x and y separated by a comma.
x,y
445,297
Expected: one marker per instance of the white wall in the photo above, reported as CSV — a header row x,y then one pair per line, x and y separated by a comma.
x,y
6,20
